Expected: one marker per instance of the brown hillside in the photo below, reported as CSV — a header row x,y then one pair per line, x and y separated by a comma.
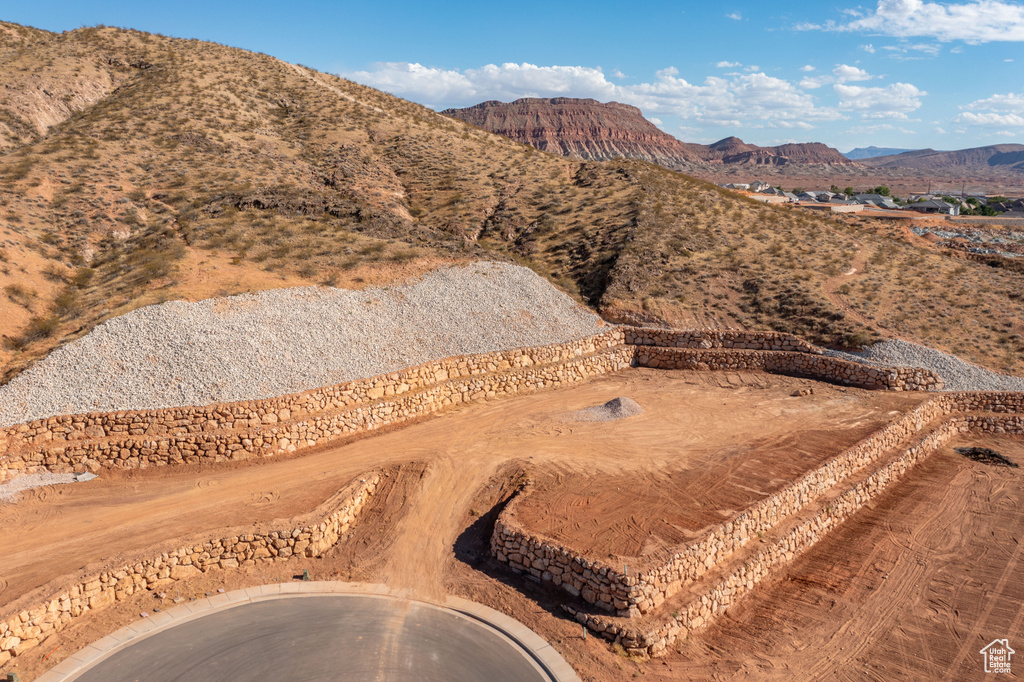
x,y
183,169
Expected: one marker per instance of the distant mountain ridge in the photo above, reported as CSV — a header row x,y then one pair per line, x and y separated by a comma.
x,y
873,151
588,129
1007,156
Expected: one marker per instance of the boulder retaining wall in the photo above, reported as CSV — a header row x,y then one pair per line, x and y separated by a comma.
x,y
312,535
262,428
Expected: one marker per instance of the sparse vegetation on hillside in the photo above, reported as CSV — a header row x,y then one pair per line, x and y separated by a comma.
x,y
170,168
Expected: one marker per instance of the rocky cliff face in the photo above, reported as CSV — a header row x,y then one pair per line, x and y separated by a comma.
x,y
588,129
582,128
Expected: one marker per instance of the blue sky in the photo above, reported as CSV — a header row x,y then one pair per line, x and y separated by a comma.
x,y
899,73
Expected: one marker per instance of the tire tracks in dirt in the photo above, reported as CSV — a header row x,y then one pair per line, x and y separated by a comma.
x,y
426,534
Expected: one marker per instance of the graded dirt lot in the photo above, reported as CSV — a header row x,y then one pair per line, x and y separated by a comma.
x,y
705,446
698,456
914,583
911,588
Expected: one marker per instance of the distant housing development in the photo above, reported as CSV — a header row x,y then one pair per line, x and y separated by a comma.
x,y
879,200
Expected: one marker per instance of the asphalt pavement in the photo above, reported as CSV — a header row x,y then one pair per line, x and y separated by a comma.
x,y
329,637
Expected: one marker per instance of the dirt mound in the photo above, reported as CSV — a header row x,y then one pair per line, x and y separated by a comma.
x,y
616,408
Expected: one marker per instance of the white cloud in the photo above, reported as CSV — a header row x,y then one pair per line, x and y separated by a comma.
x,y
807,68
434,86
841,74
727,65
1008,60
618,74
845,72
752,68
996,111
893,101
877,128
980,21
720,101
656,121
734,15
1010,102
989,119
732,100
940,130
869,48
915,51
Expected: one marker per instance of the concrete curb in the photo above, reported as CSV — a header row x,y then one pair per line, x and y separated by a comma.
x,y
544,657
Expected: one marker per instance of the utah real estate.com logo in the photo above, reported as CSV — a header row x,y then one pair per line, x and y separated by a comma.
x,y
997,656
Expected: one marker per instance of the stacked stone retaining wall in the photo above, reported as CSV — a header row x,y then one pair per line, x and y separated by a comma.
x,y
315,534
243,430
715,338
635,587
262,428
822,367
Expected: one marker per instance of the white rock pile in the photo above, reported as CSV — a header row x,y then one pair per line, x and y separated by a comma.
x,y
956,374
284,341
616,408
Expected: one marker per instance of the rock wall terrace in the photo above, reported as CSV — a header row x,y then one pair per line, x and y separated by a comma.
x,y
262,428
312,535
636,590
821,367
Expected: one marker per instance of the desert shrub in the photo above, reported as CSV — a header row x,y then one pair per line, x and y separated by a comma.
x,y
20,294
39,327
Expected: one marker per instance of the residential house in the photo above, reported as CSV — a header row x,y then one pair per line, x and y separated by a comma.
x,y
876,200
936,206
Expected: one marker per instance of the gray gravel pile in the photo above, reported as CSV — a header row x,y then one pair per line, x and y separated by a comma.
x,y
956,374
278,342
11,491
616,408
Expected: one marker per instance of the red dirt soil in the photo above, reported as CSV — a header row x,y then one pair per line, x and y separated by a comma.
x,y
948,537
720,451
911,588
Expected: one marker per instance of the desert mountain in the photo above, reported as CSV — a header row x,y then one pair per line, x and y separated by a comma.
x,y
139,168
999,156
581,128
871,152
588,129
